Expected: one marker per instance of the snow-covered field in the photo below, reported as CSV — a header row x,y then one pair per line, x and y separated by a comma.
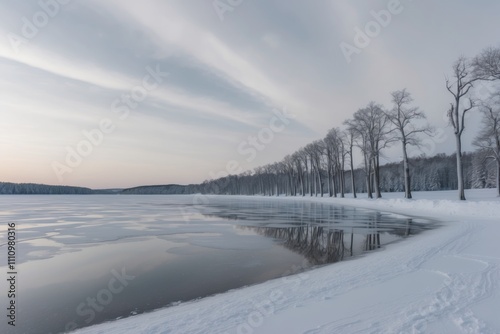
x,y
442,281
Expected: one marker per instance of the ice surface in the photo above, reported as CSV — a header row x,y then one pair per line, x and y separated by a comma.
x,y
443,281
176,251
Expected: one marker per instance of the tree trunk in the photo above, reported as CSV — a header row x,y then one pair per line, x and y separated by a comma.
x,y
377,177
342,178
315,180
309,182
352,240
498,178
302,185
460,171
290,184
342,183
334,183
320,180
353,184
407,173
330,191
369,178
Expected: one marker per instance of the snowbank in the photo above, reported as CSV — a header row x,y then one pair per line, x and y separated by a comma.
x,y
441,281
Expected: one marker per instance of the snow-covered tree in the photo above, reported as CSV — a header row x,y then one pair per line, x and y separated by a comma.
x,y
489,136
374,129
406,121
459,86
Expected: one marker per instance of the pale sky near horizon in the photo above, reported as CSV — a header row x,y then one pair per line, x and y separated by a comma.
x,y
70,67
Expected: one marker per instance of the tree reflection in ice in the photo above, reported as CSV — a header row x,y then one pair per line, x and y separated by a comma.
x,y
318,244
322,233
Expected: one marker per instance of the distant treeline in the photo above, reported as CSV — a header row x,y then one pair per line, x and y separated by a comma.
x,y
7,188
428,173
169,189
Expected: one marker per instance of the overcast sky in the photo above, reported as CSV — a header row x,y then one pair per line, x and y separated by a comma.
x,y
70,67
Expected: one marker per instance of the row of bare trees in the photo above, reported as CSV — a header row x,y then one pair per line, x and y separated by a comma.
x,y
320,167
321,164
372,129
465,73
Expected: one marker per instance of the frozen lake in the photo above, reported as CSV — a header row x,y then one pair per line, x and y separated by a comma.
x,y
82,260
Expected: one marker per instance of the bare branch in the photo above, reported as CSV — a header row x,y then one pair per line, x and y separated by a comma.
x,y
486,65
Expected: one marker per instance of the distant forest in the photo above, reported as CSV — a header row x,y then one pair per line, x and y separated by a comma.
x,y
428,174
8,188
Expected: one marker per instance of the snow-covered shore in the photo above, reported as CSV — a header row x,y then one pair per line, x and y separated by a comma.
x,y
442,281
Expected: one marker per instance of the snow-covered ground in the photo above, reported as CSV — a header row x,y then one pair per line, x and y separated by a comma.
x,y
442,281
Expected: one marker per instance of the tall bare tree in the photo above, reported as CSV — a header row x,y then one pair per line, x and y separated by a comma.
x,y
349,140
300,171
303,154
318,151
288,165
404,118
489,136
460,84
342,143
315,151
374,129
332,150
360,139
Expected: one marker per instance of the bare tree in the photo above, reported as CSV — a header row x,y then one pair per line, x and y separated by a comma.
x,y
332,154
309,149
463,81
486,65
404,117
360,139
330,151
278,170
316,150
288,166
300,171
271,179
308,169
489,136
373,127
342,143
349,140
